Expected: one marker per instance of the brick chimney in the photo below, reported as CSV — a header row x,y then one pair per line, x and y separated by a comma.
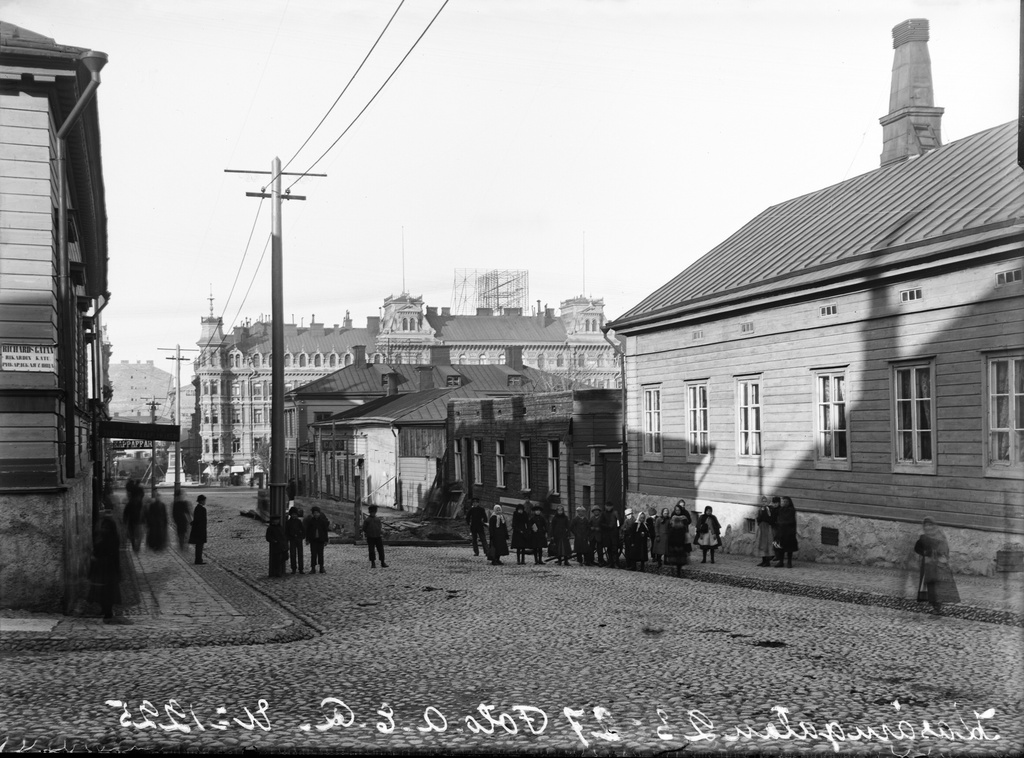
x,y
390,383
913,125
485,311
440,355
359,356
514,357
446,310
426,377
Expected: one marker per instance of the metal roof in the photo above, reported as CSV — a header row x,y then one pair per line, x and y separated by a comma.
x,y
956,194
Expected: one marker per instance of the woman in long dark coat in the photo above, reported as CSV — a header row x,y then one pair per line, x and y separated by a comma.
x,y
765,533
498,532
105,571
677,543
785,532
156,524
660,545
521,541
709,534
538,534
936,583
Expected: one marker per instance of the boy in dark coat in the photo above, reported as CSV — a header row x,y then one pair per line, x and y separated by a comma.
x,y
476,517
580,528
596,535
374,531
295,532
538,534
278,546
197,535
560,535
316,536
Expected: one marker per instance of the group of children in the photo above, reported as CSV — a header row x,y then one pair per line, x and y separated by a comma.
x,y
286,542
601,538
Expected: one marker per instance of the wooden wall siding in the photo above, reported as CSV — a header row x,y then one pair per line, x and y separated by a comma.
x,y
416,478
955,323
422,442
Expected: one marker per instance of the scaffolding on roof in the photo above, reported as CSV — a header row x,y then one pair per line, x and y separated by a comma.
x,y
497,289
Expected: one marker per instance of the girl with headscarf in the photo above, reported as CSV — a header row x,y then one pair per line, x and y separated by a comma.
x,y
936,583
677,543
765,533
521,533
498,528
709,534
785,532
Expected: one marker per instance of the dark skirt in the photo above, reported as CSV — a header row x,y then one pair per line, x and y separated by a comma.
x,y
677,547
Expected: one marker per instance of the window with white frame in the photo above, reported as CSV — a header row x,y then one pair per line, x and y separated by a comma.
x,y
257,415
499,461
652,421
457,459
748,408
833,441
554,465
478,461
524,465
697,417
914,418
1005,413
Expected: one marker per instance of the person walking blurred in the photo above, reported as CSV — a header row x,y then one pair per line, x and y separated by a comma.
x,y
197,535
677,543
764,535
133,513
182,518
935,584
785,532
105,570
156,524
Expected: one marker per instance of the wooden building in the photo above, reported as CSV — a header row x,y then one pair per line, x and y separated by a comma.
x,y
859,348
552,448
53,286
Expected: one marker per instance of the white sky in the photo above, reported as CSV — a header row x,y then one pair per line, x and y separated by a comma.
x,y
518,134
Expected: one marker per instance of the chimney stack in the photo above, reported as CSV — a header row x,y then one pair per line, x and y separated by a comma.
x,y
514,357
913,125
359,356
426,377
391,383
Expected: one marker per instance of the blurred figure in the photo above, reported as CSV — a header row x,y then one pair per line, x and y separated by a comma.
x,y
580,528
105,570
182,517
198,535
156,524
133,513
785,532
935,584
677,543
764,536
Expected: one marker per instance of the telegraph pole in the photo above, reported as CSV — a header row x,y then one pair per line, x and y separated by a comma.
x,y
152,450
278,483
177,409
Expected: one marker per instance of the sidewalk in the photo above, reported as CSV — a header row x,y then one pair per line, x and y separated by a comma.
x,y
170,602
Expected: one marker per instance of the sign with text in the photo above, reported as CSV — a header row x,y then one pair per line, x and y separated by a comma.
x,y
129,444
28,357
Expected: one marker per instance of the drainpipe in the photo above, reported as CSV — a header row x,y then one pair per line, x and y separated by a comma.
x,y
622,380
93,61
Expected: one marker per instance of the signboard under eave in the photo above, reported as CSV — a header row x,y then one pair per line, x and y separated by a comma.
x,y
42,358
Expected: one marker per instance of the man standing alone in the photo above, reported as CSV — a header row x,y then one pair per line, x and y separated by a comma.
x,y
197,536
295,532
476,517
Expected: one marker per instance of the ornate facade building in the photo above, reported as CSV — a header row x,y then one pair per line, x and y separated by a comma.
x,y
233,369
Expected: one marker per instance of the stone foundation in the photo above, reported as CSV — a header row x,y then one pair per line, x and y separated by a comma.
x,y
870,542
46,541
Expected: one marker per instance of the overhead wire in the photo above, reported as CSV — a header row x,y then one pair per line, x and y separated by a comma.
x,y
347,85
374,97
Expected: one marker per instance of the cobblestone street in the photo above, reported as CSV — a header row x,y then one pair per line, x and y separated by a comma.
x,y
443,652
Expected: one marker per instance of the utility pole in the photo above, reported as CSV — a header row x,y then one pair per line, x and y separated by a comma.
x,y
152,449
177,409
278,484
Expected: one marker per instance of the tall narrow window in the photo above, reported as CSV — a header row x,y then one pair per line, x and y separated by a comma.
x,y
697,415
915,430
457,459
499,461
832,432
748,397
524,465
652,422
554,465
1005,412
478,461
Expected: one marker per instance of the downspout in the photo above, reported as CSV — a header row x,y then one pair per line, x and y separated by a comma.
x,y
99,457
93,61
622,380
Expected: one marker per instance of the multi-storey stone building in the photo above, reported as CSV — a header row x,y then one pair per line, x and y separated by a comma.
x,y
234,369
